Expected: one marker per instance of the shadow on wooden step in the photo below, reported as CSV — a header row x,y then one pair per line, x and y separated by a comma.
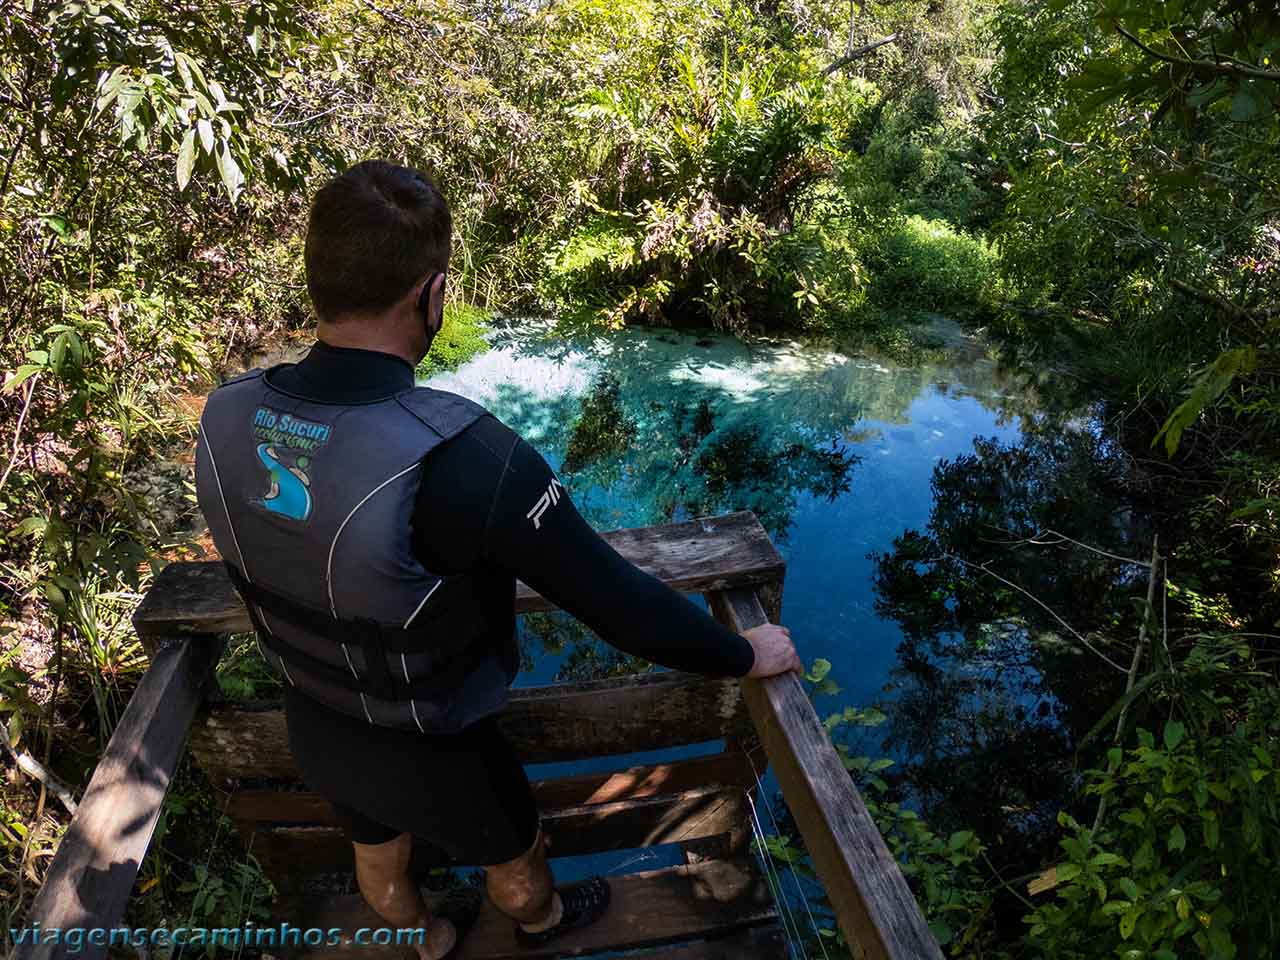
x,y
678,905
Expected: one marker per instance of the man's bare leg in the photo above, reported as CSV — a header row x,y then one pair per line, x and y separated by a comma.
x,y
524,889
382,873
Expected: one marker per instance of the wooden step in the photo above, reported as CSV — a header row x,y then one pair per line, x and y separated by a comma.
x,y
699,902
545,724
291,853
756,943
287,803
294,834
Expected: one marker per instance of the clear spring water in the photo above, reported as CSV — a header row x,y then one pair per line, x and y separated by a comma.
x,y
835,453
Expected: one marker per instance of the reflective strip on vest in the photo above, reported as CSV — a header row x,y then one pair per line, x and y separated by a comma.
x,y
312,504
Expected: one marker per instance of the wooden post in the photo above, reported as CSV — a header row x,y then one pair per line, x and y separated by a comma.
x,y
770,595
92,874
873,904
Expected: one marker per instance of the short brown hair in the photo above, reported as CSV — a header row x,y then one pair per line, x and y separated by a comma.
x,y
374,232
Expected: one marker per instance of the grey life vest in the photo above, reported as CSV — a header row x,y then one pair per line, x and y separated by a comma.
x,y
311,506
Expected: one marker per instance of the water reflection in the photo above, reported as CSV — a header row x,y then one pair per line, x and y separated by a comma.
x,y
905,500
832,451
1002,665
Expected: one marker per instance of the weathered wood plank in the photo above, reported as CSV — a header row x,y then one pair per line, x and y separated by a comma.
x,y
92,874
759,943
545,724
675,905
712,553
873,904
292,854
718,770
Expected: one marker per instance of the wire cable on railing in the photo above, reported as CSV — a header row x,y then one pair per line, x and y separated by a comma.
x,y
638,858
813,923
775,885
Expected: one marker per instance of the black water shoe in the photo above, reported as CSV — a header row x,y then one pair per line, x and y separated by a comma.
x,y
461,907
583,905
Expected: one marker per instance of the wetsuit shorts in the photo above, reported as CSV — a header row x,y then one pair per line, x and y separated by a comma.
x,y
465,793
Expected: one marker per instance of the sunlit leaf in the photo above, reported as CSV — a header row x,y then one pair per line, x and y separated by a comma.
x,y
186,159
1210,383
819,670
229,170
205,129
22,375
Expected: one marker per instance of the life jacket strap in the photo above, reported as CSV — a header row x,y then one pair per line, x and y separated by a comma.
x,y
444,669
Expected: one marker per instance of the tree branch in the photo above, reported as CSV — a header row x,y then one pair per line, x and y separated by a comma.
x,y
36,770
17,431
1230,69
858,54
982,568
1221,302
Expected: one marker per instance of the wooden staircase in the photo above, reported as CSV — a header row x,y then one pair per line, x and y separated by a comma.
x,y
710,903
709,909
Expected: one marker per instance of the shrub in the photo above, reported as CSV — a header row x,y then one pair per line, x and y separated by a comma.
x,y
709,219
924,163
1183,863
929,265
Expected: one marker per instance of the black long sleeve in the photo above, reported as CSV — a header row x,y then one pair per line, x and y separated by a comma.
x,y
488,498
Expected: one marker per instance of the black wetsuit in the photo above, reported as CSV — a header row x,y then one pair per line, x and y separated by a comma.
x,y
467,792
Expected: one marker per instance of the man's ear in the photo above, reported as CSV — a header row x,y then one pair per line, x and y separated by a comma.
x,y
424,302
437,299
431,302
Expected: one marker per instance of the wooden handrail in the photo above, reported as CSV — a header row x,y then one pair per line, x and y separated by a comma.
x,y
710,553
874,906
92,874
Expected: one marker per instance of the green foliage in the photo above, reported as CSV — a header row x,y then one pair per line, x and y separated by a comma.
x,y
243,673
928,265
120,106
1209,385
943,871
1181,864
145,70
686,162
818,675
923,160
1141,142
226,900
460,338
197,872
724,183
135,147
1141,149
728,150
